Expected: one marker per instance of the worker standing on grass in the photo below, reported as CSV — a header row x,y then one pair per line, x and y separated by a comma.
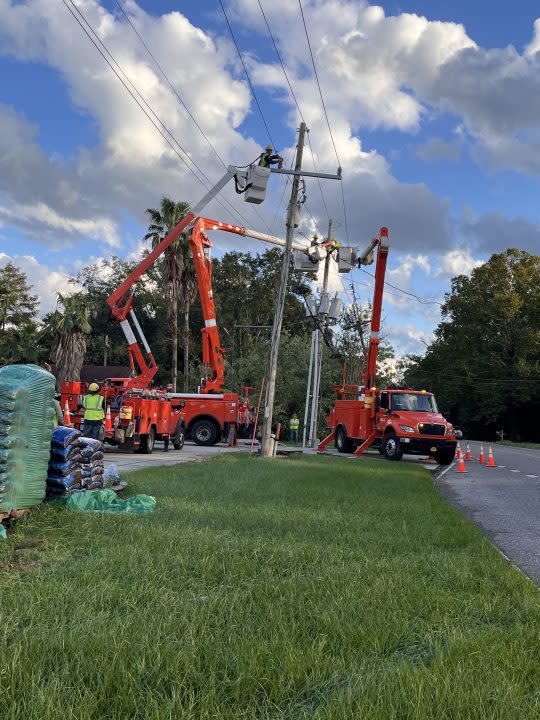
x,y
294,424
93,412
269,157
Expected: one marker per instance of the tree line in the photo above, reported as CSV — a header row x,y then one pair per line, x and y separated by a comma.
x,y
483,364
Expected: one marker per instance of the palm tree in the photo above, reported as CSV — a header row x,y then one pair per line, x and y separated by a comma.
x,y
25,345
178,273
69,327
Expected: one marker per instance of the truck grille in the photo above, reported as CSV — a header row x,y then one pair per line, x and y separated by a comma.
x,y
431,429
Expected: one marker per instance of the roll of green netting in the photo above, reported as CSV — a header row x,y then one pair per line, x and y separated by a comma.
x,y
26,422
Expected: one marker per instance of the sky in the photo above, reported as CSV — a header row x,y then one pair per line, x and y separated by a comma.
x,y
433,108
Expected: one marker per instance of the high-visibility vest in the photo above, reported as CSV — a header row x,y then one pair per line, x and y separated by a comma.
x,y
93,407
294,423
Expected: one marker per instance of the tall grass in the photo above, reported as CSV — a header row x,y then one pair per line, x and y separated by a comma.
x,y
297,588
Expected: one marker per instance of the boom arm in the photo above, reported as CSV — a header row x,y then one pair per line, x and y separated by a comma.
x,y
381,242
147,368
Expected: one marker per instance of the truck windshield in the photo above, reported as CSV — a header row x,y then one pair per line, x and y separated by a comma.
x,y
414,402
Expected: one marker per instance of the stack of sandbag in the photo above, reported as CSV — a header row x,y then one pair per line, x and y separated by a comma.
x,y
26,423
65,474
92,464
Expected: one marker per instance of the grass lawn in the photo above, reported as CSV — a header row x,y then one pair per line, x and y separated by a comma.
x,y
306,587
532,446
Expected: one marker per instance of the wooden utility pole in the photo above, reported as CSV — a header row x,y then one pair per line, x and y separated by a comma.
x,y
266,448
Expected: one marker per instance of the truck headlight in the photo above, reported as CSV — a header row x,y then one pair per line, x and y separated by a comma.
x,y
407,428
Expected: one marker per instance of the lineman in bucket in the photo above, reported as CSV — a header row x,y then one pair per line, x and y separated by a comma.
x,y
93,412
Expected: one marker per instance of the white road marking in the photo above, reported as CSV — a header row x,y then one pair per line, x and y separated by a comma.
x,y
515,470
501,466
532,476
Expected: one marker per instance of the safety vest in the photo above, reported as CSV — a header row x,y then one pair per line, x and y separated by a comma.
x,y
93,407
294,423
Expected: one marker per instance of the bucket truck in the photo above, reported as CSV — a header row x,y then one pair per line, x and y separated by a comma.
x,y
394,420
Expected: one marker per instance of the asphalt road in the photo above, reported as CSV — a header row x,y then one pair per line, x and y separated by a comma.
x,y
504,501
128,461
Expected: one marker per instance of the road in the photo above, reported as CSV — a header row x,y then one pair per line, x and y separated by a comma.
x,y
504,501
128,461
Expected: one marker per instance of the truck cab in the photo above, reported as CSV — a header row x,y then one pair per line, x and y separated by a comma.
x,y
409,422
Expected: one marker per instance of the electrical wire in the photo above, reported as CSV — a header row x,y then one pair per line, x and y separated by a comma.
x,y
325,114
89,32
186,108
169,83
247,74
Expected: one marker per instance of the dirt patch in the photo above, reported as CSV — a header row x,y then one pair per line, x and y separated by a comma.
x,y
32,544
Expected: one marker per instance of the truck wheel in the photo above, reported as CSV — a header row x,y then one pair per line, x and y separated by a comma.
x,y
204,432
343,443
391,447
179,436
445,456
146,446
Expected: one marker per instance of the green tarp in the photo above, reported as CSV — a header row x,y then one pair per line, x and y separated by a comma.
x,y
109,502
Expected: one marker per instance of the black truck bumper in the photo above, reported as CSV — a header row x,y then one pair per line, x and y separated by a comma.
x,y
425,446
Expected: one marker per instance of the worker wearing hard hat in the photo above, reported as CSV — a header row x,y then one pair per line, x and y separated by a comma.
x,y
269,157
93,412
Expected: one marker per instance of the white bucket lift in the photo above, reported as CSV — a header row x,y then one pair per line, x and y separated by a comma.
x,y
256,184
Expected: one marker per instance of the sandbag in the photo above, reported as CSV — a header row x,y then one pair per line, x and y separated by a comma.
x,y
27,409
64,436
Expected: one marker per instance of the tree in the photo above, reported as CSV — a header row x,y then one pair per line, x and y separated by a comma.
x,y
17,306
25,345
69,327
484,363
176,271
18,309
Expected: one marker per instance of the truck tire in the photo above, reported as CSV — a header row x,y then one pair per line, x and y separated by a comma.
x,y
179,436
392,448
205,432
343,443
146,446
445,456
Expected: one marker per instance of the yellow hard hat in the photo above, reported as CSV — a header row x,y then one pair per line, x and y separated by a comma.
x,y
93,387
269,148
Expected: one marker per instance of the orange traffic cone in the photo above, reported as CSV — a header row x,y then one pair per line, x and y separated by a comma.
x,y
108,420
67,416
459,454
482,457
491,459
461,465
468,455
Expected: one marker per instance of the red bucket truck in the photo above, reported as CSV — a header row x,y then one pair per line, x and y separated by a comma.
x,y
394,420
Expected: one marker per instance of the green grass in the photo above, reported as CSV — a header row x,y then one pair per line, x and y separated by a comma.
x,y
292,588
532,446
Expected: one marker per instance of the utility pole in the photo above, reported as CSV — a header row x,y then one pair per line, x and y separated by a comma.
x,y
105,349
266,446
322,324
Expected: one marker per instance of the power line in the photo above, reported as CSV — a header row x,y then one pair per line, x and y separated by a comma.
x,y
173,88
325,114
182,102
293,95
318,82
247,74
89,31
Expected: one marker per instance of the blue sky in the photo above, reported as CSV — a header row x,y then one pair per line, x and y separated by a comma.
x,y
436,125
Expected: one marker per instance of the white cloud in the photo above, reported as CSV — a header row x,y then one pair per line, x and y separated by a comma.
x,y
457,262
